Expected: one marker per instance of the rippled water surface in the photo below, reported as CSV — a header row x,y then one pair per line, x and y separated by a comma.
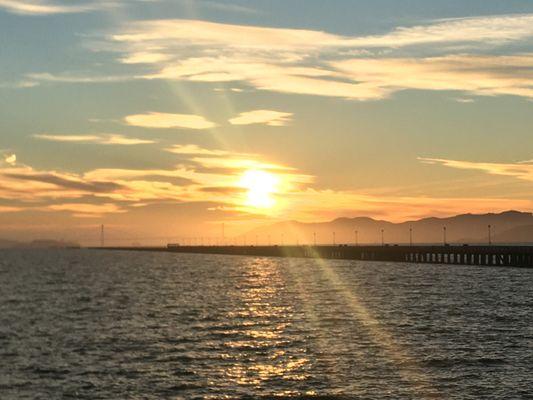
x,y
123,325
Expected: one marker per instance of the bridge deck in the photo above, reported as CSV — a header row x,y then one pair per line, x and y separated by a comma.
x,y
504,256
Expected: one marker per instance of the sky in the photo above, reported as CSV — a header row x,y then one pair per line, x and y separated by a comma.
x,y
170,119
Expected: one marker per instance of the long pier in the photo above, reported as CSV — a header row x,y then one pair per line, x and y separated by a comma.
x,y
501,256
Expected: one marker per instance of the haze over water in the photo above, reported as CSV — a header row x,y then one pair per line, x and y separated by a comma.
x,y
112,325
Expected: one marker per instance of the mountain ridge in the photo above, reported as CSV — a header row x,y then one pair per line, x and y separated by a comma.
x,y
506,227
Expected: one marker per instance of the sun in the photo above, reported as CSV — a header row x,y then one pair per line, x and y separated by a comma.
x,y
260,186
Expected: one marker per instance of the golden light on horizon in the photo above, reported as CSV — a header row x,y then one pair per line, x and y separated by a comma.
x,y
260,186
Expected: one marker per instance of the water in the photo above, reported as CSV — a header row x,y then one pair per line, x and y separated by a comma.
x,y
123,325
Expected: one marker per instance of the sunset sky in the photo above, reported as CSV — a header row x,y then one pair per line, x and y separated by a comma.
x,y
167,118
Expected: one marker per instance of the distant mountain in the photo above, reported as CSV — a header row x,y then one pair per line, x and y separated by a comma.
x,y
37,244
506,227
519,234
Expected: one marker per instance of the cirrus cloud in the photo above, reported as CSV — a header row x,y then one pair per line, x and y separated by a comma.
x,y
40,7
519,170
309,62
266,117
168,120
46,7
107,139
312,62
195,150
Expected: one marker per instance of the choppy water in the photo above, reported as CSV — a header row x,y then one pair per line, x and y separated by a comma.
x,y
122,325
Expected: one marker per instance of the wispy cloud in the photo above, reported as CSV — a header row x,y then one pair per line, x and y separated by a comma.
x,y
35,79
204,33
194,179
475,74
464,100
319,63
45,7
145,57
495,30
6,209
106,139
195,150
87,209
212,177
266,117
519,170
167,120
312,62
10,158
500,28
23,84
68,182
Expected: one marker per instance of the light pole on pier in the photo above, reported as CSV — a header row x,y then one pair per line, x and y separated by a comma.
x,y
444,235
314,239
410,236
490,235
356,232
383,237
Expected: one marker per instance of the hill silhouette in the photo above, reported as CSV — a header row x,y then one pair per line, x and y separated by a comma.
x,y
506,227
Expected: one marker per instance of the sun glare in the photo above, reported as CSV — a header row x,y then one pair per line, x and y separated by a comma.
x,y
261,186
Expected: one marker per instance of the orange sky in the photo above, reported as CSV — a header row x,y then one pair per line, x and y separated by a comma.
x,y
164,120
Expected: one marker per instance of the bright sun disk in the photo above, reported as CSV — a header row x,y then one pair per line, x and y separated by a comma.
x,y
261,186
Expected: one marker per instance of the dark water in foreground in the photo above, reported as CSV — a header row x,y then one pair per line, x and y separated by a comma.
x,y
120,325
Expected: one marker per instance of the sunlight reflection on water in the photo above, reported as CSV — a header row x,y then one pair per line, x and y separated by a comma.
x,y
128,325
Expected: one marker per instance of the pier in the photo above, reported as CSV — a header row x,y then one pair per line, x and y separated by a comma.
x,y
499,256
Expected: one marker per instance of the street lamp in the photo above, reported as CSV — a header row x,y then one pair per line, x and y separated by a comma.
x,y
444,235
410,236
356,238
490,235
383,237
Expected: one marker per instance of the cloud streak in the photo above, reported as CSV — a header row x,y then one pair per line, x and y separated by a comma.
x,y
474,74
44,7
519,170
499,28
195,150
264,117
105,139
203,175
167,120
212,177
496,29
319,63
